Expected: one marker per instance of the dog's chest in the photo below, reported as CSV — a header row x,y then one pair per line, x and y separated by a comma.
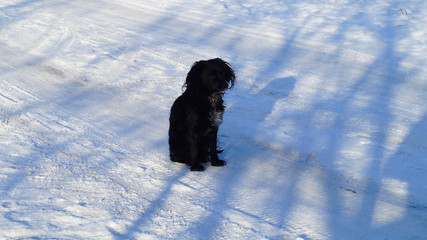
x,y
216,110
215,117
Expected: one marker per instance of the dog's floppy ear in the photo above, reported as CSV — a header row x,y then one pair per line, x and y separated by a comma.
x,y
193,76
228,71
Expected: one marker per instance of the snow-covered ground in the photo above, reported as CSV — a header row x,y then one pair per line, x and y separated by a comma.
x,y
325,133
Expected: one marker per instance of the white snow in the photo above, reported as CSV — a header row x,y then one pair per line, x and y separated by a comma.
x,y
325,133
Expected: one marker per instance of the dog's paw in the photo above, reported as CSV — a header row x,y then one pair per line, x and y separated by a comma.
x,y
174,158
218,163
197,168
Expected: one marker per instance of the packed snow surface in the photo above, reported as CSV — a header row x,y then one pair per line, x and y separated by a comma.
x,y
325,133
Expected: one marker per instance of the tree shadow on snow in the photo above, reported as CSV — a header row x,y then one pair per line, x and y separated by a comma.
x,y
264,186
244,155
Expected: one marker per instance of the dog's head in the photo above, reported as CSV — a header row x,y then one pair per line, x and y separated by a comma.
x,y
210,76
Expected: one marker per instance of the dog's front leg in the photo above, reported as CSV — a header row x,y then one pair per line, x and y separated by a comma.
x,y
193,162
213,139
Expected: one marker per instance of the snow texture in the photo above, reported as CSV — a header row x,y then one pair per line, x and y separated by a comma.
x,y
325,133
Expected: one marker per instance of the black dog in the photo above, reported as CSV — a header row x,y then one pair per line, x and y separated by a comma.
x,y
197,113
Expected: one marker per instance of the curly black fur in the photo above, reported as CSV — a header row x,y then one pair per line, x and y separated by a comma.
x,y
197,113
